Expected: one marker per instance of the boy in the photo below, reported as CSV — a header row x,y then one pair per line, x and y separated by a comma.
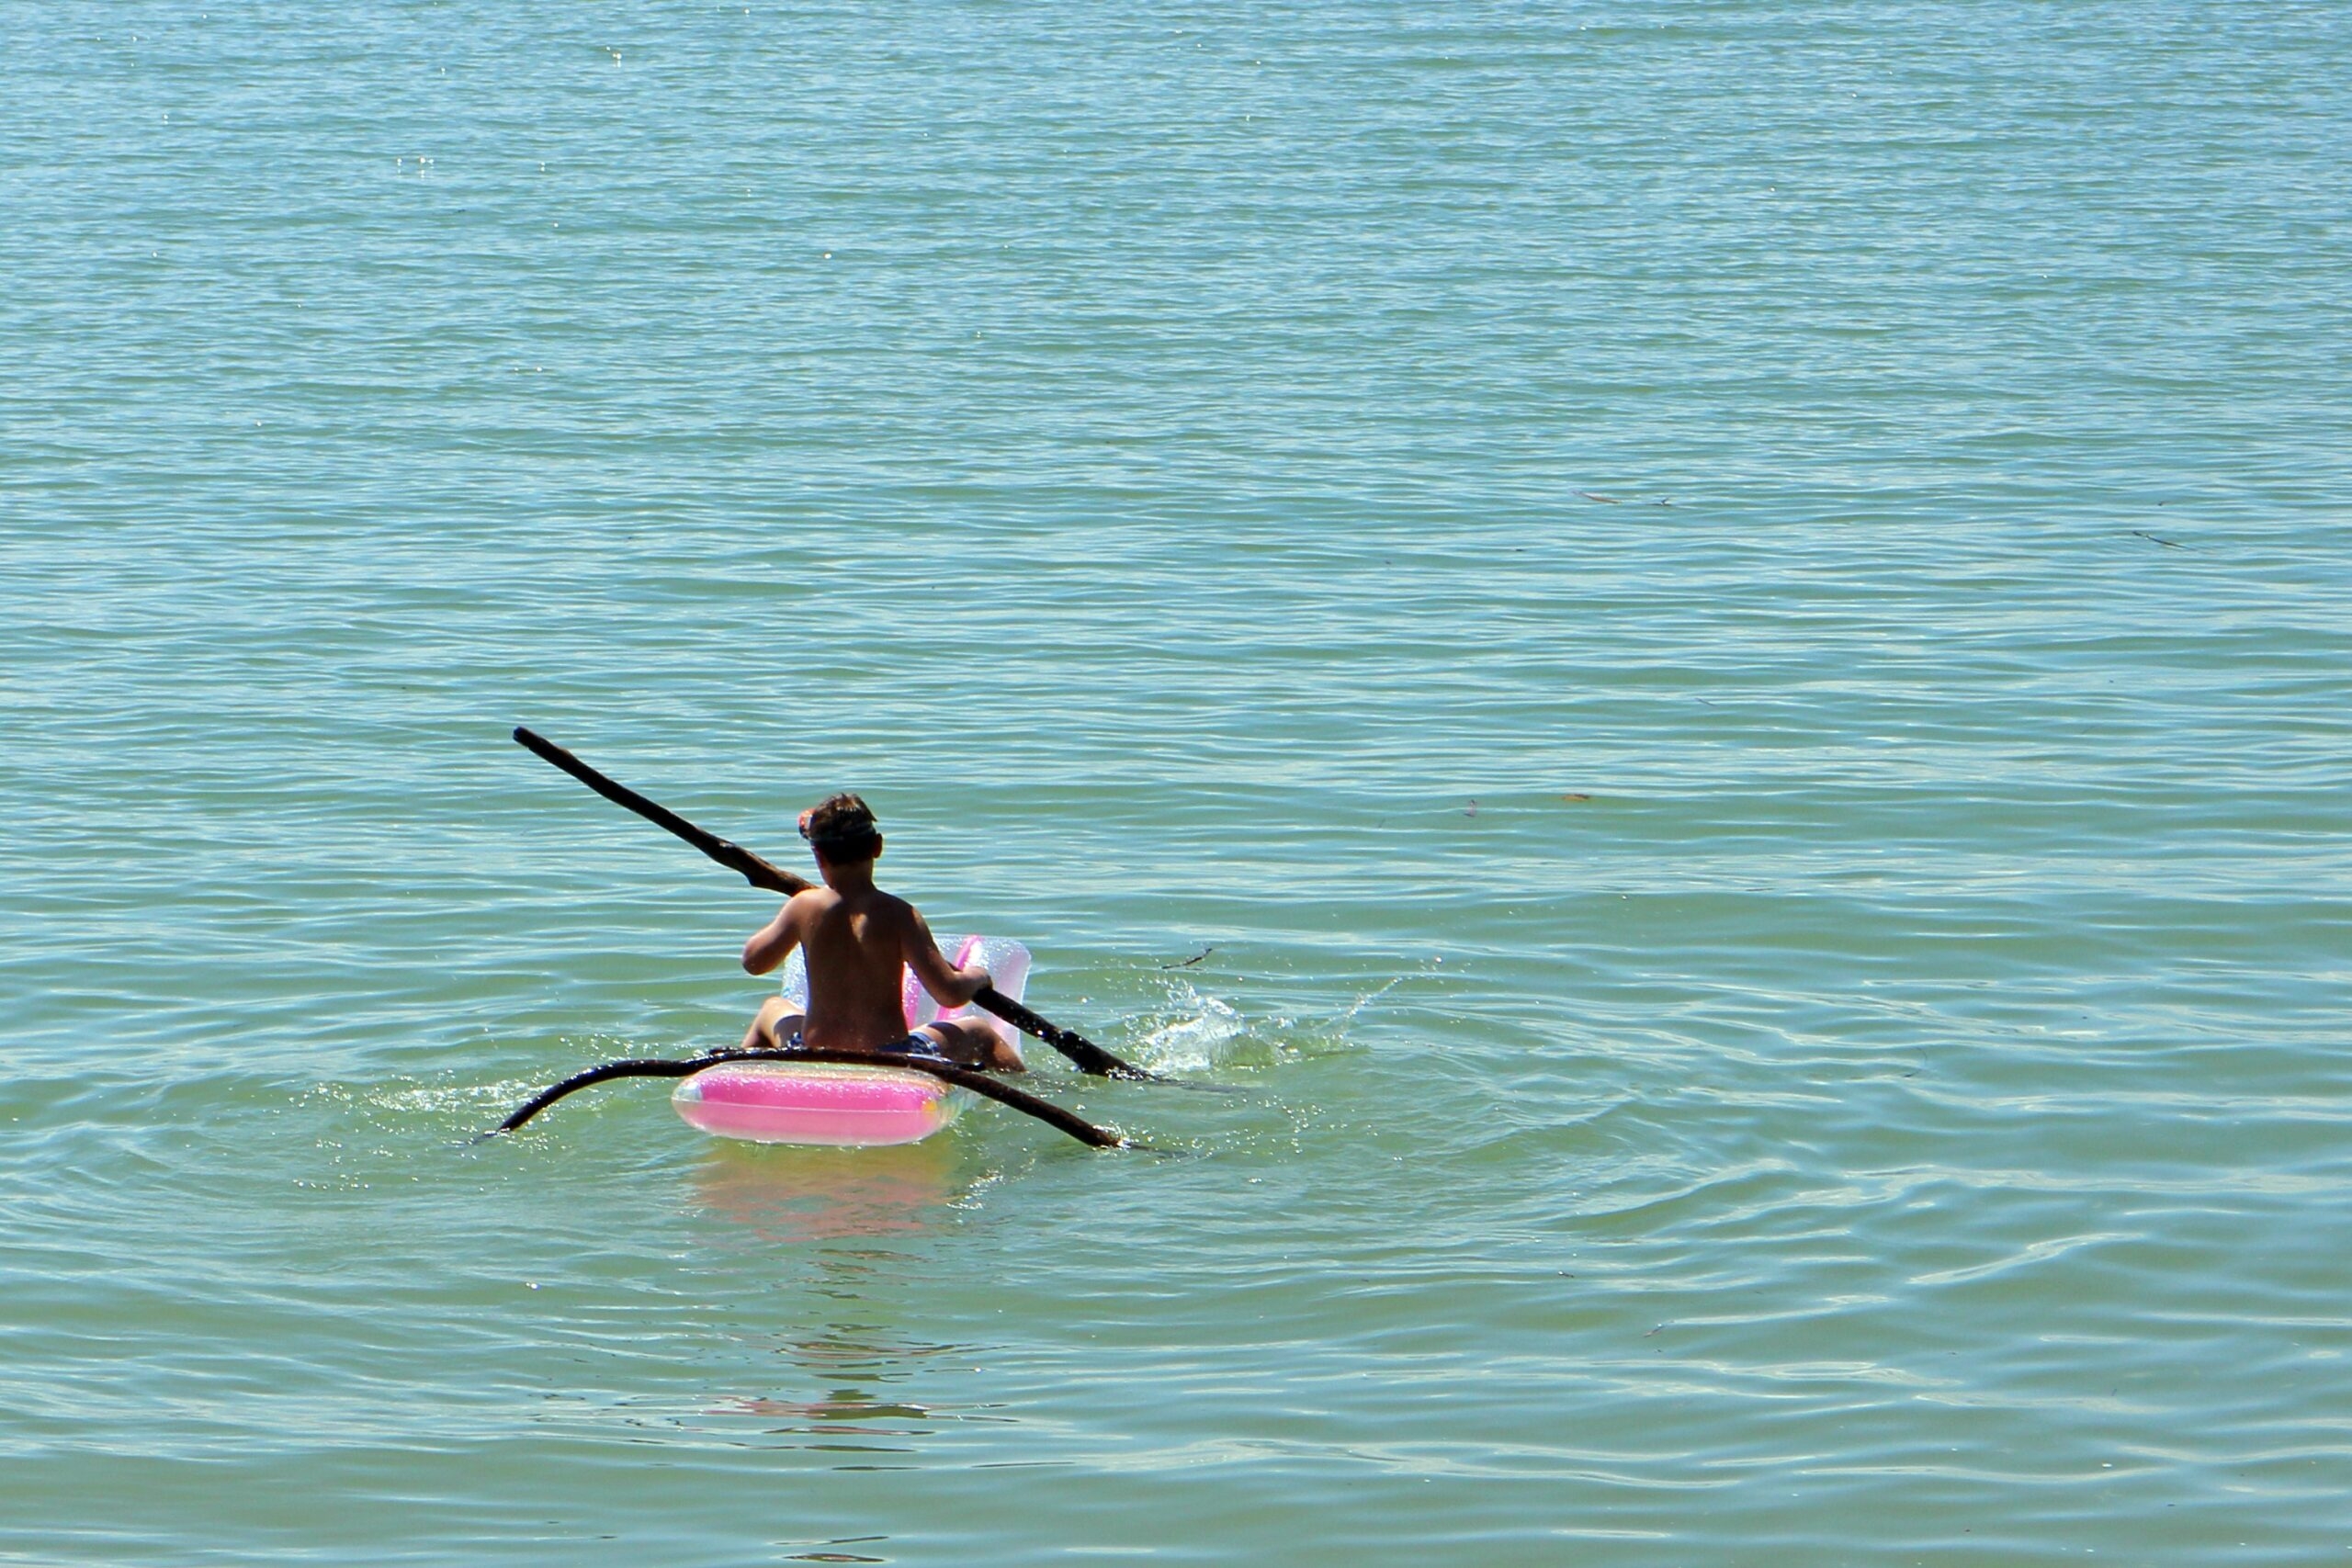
x,y
858,937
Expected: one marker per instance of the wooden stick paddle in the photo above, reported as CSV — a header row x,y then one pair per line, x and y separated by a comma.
x,y
1044,1110
761,872
756,870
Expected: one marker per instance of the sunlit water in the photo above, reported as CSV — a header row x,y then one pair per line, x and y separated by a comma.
x,y
1703,646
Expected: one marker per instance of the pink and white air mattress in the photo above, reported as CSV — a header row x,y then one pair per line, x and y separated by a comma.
x,y
847,1104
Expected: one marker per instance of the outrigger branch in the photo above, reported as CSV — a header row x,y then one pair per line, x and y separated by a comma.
x,y
760,873
1044,1110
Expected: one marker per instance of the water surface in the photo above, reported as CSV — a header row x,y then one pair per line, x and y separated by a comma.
x,y
1726,622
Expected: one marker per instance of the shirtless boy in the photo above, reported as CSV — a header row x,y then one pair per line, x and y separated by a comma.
x,y
858,937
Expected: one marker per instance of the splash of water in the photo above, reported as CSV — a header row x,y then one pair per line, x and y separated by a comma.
x,y
1196,1037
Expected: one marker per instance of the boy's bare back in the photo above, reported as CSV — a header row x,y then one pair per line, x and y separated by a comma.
x,y
858,942
859,939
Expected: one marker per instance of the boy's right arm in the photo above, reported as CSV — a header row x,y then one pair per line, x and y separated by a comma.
x,y
948,986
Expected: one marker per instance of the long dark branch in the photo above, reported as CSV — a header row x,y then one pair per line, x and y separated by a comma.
x,y
760,873
757,870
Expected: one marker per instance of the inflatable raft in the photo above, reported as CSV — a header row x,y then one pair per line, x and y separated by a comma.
x,y
846,1103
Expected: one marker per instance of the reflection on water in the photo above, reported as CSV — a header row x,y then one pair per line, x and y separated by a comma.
x,y
845,1411
850,1379
791,1195
863,1377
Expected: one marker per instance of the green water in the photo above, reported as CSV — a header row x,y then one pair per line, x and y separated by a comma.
x,y
1728,621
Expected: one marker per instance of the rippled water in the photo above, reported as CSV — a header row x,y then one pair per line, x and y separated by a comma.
x,y
1703,646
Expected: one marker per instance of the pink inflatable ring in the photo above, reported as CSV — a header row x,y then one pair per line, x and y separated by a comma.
x,y
817,1102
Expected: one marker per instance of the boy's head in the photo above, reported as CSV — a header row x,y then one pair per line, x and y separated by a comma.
x,y
840,830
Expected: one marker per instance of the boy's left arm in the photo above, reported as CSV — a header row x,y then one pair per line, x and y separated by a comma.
x,y
772,943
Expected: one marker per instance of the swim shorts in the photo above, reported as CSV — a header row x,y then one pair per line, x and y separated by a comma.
x,y
915,1045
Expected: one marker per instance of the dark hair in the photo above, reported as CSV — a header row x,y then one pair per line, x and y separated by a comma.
x,y
840,830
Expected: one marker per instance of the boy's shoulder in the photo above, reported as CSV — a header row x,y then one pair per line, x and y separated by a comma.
x,y
908,918
811,904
